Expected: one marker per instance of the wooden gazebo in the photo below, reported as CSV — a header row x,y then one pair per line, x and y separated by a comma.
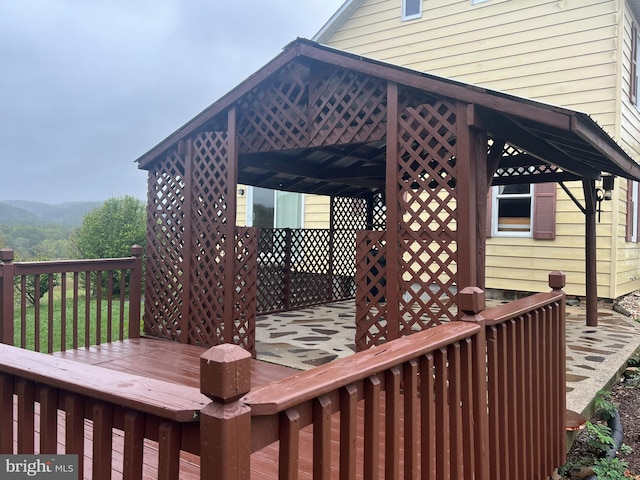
x,y
407,159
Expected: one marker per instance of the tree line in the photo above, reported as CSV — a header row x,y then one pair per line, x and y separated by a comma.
x,y
106,232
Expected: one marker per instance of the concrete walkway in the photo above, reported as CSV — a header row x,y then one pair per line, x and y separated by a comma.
x,y
595,355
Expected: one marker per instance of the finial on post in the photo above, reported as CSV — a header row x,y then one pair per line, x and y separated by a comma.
x,y
225,373
471,300
557,280
6,255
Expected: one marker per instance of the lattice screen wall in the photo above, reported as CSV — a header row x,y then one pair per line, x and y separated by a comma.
x,y
426,202
165,246
187,240
426,178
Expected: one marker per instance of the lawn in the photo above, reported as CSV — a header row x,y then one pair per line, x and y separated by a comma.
x,y
59,320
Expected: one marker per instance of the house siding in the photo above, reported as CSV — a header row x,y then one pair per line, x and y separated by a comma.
x,y
563,52
627,261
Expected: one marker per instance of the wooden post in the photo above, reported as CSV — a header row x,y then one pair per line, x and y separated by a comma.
x,y
288,239
225,424
557,281
394,217
135,292
6,296
467,158
471,301
591,273
228,226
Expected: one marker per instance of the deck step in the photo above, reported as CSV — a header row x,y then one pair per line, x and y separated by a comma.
x,y
575,421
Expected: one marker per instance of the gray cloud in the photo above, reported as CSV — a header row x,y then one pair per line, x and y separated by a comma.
x,y
88,86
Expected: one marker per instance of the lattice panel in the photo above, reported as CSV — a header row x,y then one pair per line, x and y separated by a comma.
x,y
310,279
516,163
245,287
208,243
371,287
349,216
274,115
346,107
349,213
379,215
271,288
165,245
428,202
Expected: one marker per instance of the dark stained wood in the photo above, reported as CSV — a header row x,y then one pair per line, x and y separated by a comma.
x,y
392,195
48,399
26,396
161,360
591,272
102,440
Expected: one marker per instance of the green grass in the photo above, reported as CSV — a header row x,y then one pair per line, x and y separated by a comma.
x,y
32,332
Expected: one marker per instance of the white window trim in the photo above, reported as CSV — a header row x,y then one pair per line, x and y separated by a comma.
x,y
410,17
495,210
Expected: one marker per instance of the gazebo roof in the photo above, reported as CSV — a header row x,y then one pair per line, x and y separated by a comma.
x,y
546,142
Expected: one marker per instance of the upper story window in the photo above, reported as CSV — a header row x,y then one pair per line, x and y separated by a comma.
x,y
411,9
476,2
635,52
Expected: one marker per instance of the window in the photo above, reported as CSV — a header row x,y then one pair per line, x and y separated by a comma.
x,y
513,210
476,2
411,9
631,234
522,211
271,208
635,51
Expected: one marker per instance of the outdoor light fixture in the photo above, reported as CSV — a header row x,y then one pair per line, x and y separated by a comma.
x,y
607,186
605,192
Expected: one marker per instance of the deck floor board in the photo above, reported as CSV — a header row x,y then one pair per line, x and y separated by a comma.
x,y
168,361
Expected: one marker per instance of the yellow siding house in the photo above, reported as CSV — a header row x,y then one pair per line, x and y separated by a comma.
x,y
573,53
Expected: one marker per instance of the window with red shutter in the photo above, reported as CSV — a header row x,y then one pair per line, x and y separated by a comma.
x,y
522,211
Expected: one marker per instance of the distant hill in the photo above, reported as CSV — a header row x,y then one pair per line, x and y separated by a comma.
x,y
23,212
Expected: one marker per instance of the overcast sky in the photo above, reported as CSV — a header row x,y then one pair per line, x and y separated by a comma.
x,y
87,86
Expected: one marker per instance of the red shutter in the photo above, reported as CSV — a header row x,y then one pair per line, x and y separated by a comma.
x,y
544,211
628,233
633,81
489,201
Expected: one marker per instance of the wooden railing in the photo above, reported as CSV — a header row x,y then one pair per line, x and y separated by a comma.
x,y
526,383
478,398
84,302
429,385
438,403
134,422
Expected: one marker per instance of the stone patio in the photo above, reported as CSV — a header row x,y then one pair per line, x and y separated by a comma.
x,y
595,355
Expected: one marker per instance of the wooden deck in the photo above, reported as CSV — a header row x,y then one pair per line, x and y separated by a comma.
x,y
163,360
169,362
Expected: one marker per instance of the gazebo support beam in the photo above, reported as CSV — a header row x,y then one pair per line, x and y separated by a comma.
x,y
591,274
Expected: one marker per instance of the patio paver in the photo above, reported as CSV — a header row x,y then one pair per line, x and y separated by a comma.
x,y
316,335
